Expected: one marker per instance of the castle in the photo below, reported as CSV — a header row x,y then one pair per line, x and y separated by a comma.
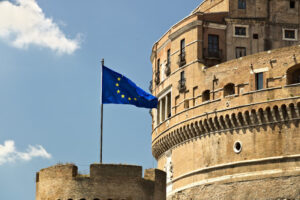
x,y
228,81
105,182
227,125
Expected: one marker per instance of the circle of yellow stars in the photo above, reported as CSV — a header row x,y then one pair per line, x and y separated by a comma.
x,y
119,91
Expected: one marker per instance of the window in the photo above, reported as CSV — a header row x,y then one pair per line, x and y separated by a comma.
x,y
168,67
168,56
293,75
164,107
206,96
157,73
292,3
240,31
290,34
181,83
213,45
229,89
182,53
259,80
255,36
240,52
242,4
182,46
182,77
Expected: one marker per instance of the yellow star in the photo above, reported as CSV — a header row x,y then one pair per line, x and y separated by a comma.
x,y
129,98
118,91
119,79
117,84
135,99
123,96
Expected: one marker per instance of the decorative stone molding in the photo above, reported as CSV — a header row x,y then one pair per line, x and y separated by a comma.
x,y
213,123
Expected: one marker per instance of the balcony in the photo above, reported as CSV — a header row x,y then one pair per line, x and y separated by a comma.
x,y
181,59
214,54
168,69
157,79
151,86
181,85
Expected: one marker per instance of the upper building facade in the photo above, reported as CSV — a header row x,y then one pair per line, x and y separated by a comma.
x,y
256,25
228,82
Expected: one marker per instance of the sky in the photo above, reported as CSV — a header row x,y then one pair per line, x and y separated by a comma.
x,y
50,58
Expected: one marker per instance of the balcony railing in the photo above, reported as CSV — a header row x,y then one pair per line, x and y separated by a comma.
x,y
212,54
181,59
181,85
157,79
168,69
151,86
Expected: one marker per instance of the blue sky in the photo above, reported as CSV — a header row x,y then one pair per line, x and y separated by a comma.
x,y
50,83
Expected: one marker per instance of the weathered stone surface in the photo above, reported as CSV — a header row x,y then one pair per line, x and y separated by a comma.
x,y
115,182
226,135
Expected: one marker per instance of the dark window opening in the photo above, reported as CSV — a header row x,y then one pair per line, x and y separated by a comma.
x,y
255,36
292,3
182,45
206,96
181,83
293,75
240,31
168,56
168,66
169,105
182,76
182,53
240,52
213,45
157,73
242,4
229,89
289,34
237,147
259,79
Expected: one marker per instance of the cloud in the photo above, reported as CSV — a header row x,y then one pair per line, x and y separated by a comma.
x,y
24,23
8,153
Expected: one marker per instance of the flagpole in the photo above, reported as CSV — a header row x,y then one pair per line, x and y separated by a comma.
x,y
101,137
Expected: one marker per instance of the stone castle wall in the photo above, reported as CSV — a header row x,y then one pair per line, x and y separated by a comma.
x,y
229,130
105,182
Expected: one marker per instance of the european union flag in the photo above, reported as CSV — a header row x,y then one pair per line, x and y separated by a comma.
x,y
118,89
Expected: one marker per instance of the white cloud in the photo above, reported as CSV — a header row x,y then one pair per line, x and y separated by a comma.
x,y
8,153
24,23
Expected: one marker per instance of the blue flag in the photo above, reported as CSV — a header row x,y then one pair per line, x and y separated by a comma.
x,y
118,89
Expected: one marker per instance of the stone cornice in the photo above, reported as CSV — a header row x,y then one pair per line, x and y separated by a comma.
x,y
214,122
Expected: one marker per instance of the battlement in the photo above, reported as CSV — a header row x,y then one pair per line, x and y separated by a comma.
x,y
98,171
105,181
112,170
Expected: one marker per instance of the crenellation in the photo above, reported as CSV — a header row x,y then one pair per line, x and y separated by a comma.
x,y
63,171
106,181
113,170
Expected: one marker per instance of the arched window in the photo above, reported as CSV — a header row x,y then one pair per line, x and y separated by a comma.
x,y
206,96
293,75
229,89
